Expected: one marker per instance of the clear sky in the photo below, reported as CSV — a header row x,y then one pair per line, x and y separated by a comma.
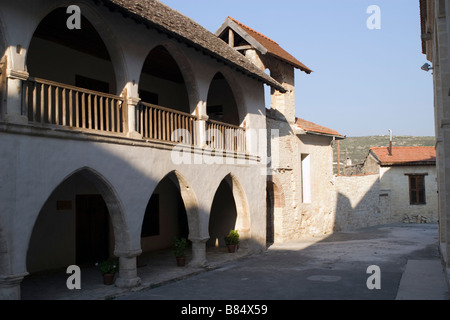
x,y
365,82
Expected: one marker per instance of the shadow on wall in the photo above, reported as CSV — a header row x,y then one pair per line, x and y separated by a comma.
x,y
360,203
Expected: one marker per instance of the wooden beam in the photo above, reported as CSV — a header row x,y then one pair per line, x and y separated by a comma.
x,y
231,38
243,48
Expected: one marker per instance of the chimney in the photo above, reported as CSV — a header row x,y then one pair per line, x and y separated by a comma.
x,y
390,142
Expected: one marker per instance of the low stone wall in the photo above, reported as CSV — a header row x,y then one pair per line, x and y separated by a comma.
x,y
360,202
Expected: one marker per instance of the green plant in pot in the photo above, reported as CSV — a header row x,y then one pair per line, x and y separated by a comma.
x,y
179,250
108,269
232,240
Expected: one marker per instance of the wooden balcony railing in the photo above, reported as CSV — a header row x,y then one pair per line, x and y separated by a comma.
x,y
225,137
158,123
49,102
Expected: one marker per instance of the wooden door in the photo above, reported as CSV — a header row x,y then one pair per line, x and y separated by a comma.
x,y
92,229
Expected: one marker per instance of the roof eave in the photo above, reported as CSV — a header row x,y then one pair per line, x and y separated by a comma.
x,y
335,136
414,163
150,24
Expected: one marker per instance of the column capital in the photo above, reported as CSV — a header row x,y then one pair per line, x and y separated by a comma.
x,y
203,117
133,100
199,239
17,74
127,253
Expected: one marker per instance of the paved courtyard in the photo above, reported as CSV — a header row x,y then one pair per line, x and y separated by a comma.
x,y
325,268
333,267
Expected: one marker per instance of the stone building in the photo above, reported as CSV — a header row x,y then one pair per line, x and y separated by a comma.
x,y
435,26
407,180
124,124
300,170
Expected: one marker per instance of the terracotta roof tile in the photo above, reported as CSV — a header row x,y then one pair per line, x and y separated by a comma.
x,y
405,155
315,128
272,47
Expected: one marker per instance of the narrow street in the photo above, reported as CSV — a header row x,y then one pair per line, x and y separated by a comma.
x,y
331,268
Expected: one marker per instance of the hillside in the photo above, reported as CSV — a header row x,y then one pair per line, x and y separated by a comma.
x,y
357,148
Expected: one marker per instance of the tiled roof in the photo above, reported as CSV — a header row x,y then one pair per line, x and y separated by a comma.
x,y
311,127
272,47
405,155
156,15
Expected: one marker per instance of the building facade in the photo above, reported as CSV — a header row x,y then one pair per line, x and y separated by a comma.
x,y
300,153
123,124
407,180
435,26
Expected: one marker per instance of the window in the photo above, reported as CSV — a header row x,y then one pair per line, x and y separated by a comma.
x,y
306,178
417,189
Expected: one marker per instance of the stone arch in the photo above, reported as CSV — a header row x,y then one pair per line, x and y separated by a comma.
x,y
185,68
242,208
236,91
189,199
122,243
93,15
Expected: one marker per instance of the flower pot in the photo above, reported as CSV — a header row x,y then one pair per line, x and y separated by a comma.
x,y
108,279
181,261
231,248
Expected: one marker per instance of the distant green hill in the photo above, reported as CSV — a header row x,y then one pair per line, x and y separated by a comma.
x,y
357,148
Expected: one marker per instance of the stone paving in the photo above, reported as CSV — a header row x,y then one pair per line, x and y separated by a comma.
x,y
155,269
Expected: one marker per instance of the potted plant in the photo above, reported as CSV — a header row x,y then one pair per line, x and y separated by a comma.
x,y
232,241
108,269
179,250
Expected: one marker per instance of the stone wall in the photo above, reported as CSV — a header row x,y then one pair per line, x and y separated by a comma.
x,y
396,179
360,202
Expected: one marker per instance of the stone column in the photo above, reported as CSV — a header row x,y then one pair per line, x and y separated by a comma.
x,y
128,277
10,286
14,109
198,252
132,102
201,123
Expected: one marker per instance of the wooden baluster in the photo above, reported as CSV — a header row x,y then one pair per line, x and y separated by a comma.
x,y
101,114
113,115
89,111
118,116
107,114
34,102
42,104
26,95
140,119
64,107
164,125
158,135
96,126
172,132
50,104
149,122
83,110
185,126
57,106
146,115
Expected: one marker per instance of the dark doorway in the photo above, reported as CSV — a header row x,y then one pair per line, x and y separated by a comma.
x,y
92,242
270,237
